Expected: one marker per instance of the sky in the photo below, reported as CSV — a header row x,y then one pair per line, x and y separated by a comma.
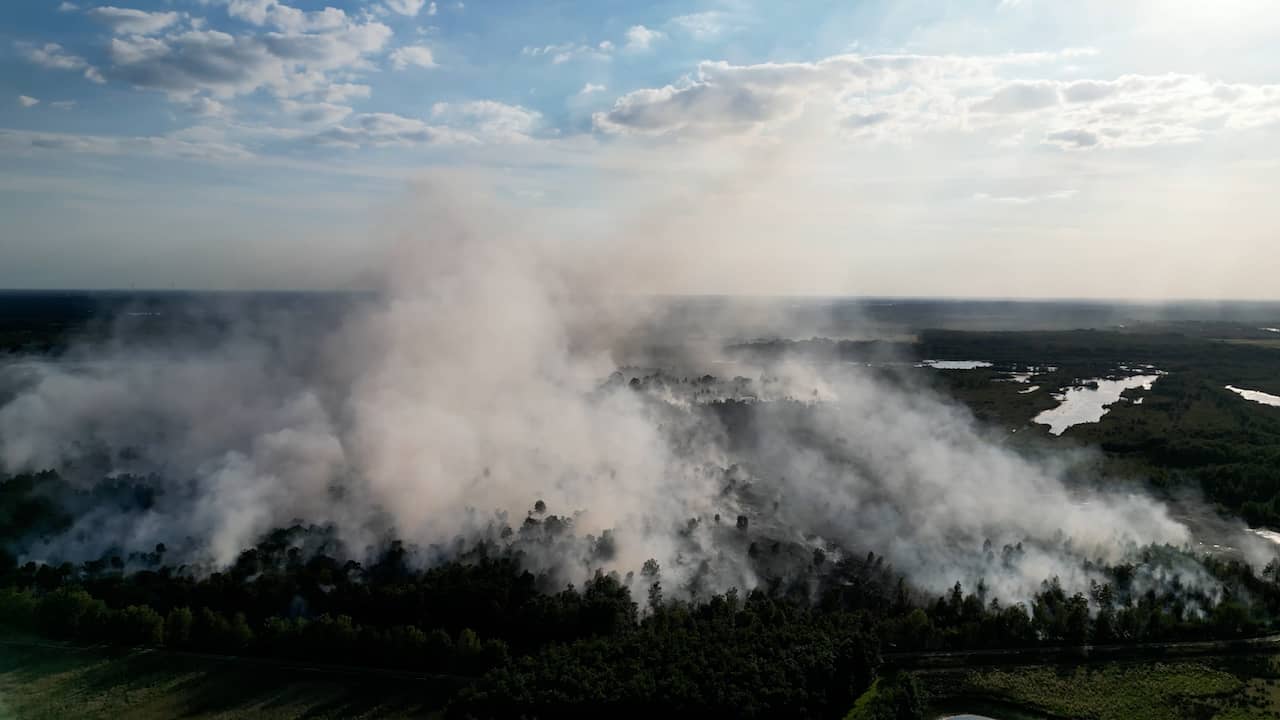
x,y
983,148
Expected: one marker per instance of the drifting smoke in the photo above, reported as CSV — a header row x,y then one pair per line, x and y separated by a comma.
x,y
476,383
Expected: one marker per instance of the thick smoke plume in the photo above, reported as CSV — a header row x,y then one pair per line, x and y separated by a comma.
x,y
481,379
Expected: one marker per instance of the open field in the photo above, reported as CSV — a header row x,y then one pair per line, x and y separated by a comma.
x,y
40,679
50,680
1234,688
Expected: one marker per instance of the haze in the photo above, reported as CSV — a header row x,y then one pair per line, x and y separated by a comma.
x,y
1007,148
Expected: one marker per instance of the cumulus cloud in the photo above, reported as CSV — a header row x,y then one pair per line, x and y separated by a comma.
x,y
489,120
641,38
131,21
385,129
286,63
27,101
287,18
590,88
462,123
1087,91
1020,97
343,92
1144,110
900,96
412,56
722,97
206,107
54,57
315,113
66,7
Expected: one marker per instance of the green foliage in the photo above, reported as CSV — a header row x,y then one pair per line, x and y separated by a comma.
x,y
1111,692
723,658
137,625
894,697
69,613
17,609
177,627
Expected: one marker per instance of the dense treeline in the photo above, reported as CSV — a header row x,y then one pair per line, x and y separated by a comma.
x,y
799,649
574,651
1189,430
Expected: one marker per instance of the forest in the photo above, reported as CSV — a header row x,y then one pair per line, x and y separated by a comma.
x,y
829,637
511,640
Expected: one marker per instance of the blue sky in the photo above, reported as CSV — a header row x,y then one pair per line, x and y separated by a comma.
x,y
910,148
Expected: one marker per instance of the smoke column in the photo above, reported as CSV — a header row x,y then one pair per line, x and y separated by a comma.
x,y
476,382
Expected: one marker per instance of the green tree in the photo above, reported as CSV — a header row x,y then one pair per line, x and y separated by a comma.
x,y
177,627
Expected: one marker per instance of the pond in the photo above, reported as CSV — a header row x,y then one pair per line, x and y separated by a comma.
x,y
1088,402
1256,396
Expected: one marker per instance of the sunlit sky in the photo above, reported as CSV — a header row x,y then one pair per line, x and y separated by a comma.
x,y
993,148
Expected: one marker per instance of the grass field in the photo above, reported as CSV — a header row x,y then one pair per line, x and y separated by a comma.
x,y
1228,689
47,680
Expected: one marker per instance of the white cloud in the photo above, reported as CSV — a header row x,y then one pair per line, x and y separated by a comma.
x,y
1025,199
384,129
1072,139
722,97
591,88
287,18
487,120
1087,91
133,22
641,38
1019,97
63,104
54,57
66,7
463,123
900,96
27,101
315,113
287,63
344,92
564,52
412,56
703,25
189,146
206,107
406,7
1143,110
432,9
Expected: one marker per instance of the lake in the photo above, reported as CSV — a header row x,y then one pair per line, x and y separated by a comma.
x,y
1255,396
1087,403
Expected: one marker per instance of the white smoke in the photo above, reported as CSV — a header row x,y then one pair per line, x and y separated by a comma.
x,y
475,385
